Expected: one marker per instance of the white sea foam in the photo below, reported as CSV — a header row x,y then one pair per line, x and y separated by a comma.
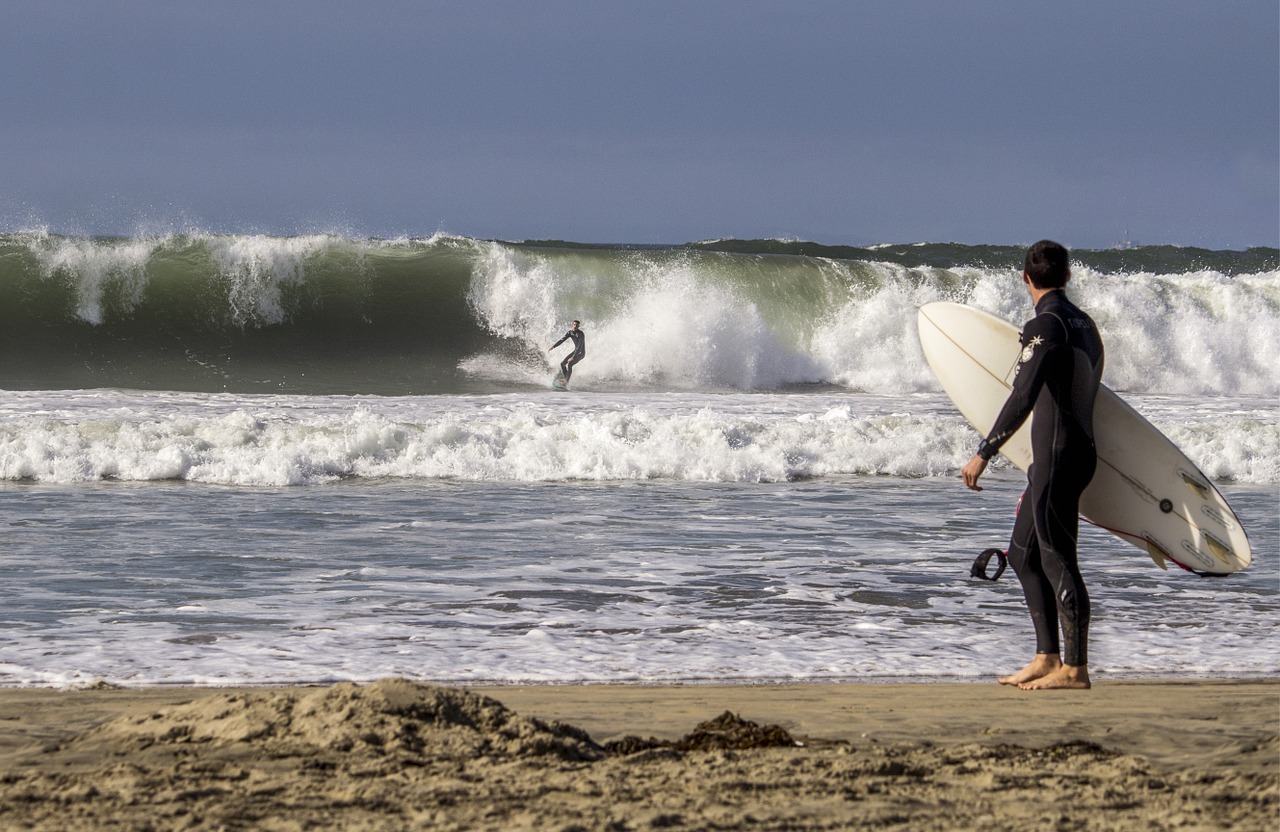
x,y
1188,334
254,269
679,322
258,268
272,441
94,268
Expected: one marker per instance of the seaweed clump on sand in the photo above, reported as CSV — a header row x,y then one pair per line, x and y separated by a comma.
x,y
726,732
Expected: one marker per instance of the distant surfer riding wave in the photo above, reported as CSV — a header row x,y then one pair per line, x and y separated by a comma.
x,y
579,339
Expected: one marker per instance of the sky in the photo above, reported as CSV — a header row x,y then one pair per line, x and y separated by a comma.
x,y
646,121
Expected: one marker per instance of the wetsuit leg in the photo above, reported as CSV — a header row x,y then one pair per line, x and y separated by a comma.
x,y
1044,556
1024,557
1058,529
566,366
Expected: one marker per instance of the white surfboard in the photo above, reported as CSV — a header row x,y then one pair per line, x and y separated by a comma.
x,y
1145,490
559,383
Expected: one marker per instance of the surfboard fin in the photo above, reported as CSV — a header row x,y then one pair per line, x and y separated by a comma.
x,y
1220,550
1157,553
1201,490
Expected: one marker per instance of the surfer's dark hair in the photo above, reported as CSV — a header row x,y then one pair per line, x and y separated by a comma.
x,y
1048,265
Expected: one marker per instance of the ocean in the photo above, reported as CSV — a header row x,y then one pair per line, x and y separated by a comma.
x,y
250,459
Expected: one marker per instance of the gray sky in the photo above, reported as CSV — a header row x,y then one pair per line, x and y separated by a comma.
x,y
841,122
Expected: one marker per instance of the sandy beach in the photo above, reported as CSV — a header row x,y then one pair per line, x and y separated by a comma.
x,y
396,755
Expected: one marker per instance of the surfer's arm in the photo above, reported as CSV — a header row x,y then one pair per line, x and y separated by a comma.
x,y
561,341
1041,337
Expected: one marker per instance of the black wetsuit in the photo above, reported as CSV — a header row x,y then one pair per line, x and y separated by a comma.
x,y
1057,381
579,339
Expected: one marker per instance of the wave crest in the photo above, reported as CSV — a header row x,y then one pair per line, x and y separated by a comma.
x,y
330,313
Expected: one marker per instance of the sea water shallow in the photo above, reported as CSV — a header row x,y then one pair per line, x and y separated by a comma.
x,y
841,578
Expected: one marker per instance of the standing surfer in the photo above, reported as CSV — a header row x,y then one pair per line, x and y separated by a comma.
x,y
579,339
1056,380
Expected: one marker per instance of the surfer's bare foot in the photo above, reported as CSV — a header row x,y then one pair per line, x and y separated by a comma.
x,y
1042,665
1066,677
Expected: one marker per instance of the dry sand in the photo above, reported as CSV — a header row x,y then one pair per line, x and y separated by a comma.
x,y
1188,755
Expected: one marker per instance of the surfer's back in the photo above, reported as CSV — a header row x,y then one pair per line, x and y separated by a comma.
x,y
1074,360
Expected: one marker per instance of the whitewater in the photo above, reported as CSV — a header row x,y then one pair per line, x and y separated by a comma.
x,y
254,459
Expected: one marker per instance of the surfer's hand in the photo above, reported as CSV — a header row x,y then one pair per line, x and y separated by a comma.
x,y
972,470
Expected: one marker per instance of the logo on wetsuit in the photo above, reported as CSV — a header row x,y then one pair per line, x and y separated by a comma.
x,y
1028,351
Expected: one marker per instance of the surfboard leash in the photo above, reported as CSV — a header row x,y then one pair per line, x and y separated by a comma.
x,y
979,568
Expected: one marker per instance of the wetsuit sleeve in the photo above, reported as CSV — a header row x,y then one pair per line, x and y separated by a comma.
x,y
1043,338
561,341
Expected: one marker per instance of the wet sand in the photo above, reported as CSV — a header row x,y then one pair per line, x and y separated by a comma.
x,y
397,755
